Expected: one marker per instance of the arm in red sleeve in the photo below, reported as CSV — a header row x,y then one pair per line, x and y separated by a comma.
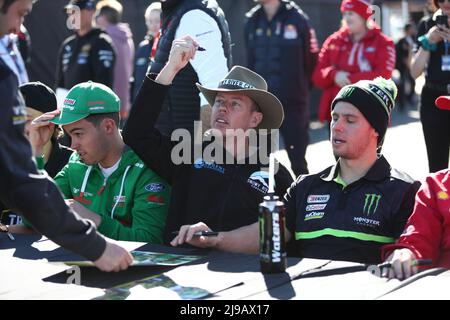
x,y
324,73
423,231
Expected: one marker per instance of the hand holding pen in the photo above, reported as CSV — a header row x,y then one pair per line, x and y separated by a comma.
x,y
199,235
402,264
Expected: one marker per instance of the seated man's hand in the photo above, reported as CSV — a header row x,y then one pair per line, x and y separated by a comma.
x,y
402,264
41,130
186,235
114,258
183,50
84,212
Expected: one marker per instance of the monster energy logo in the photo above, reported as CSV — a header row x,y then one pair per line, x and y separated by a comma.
x,y
347,92
371,203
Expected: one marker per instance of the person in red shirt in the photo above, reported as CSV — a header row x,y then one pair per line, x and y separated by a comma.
x,y
427,233
357,51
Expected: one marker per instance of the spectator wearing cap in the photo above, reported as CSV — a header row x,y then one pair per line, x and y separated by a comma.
x,y
427,233
104,180
208,194
432,58
109,18
40,99
86,55
350,210
357,51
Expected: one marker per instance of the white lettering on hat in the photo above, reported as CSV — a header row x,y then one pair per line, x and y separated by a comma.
x,y
383,96
236,83
68,107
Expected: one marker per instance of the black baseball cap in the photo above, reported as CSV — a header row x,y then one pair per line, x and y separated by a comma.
x,y
38,96
82,4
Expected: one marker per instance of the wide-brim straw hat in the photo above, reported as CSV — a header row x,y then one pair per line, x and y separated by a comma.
x,y
247,82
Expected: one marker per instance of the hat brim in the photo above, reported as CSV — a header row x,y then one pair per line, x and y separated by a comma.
x,y
443,102
270,106
66,117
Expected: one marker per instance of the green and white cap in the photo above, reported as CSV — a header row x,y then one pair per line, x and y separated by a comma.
x,y
85,99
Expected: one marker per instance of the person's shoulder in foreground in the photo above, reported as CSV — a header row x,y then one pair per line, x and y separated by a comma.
x,y
425,242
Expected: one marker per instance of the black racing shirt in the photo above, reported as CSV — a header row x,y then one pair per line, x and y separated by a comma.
x,y
351,223
224,196
90,57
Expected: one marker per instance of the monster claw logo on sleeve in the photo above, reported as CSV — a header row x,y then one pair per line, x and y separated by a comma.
x,y
371,202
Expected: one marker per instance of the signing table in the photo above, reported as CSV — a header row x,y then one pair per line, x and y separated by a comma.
x,y
31,268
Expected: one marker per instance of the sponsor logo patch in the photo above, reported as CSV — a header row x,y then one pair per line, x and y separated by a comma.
x,y
202,164
371,202
321,198
442,195
20,115
315,207
290,32
155,187
363,221
70,102
259,180
119,199
314,215
155,199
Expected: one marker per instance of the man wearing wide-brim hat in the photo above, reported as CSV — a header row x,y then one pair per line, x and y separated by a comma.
x,y
223,196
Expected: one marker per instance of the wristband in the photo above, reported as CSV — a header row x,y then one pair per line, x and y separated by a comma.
x,y
426,44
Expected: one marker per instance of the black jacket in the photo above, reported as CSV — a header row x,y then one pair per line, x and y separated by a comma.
x,y
224,196
141,63
351,223
58,159
25,190
283,51
90,57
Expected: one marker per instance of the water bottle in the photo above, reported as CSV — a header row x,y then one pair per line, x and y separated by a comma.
x,y
272,247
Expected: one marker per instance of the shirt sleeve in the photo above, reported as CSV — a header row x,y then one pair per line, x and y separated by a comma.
x,y
148,214
421,30
423,232
103,61
141,135
291,210
324,72
311,49
405,210
59,72
211,64
248,32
